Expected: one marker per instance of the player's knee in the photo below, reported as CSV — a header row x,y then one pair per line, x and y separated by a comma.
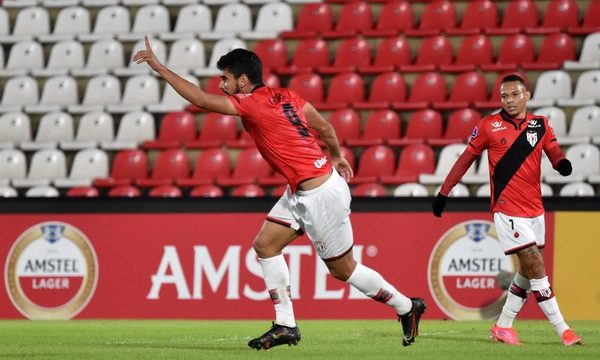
x,y
263,247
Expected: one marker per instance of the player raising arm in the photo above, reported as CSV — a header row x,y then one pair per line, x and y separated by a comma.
x,y
515,140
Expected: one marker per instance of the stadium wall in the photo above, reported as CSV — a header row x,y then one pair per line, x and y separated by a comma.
x,y
181,258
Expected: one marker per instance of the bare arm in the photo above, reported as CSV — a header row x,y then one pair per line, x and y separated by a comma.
x,y
186,89
316,121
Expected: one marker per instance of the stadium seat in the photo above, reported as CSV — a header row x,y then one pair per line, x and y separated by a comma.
x,y
248,190
124,191
59,92
468,88
88,165
427,88
308,86
415,159
477,16
272,80
577,189
25,56
346,154
53,128
150,20
279,190
354,17
557,119
133,68
104,56
459,127
313,18
482,173
494,102
175,129
134,128
515,50
386,89
374,162
8,192
350,54
192,19
210,164
169,165
410,190
272,19
4,24
139,90
392,53
518,15
93,128
475,51
171,101
559,15
244,140
30,22
585,125
83,191
395,17
483,190
344,89
587,90
70,22
127,166
110,21
446,160
42,191
215,131
310,54
591,20
346,123
438,15
555,50
65,55
232,19
248,167
206,191
100,91
168,191
19,91
272,53
585,159
550,87
45,166
99,3
15,127
589,57
435,51
422,125
459,190
369,190
381,125
185,55
13,165
220,48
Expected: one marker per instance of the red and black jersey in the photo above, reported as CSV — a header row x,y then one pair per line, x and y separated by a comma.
x,y
275,120
515,153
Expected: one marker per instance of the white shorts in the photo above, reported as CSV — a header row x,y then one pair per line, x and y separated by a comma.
x,y
323,213
516,233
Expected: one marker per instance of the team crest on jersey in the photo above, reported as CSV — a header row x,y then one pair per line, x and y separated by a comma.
x,y
474,133
532,138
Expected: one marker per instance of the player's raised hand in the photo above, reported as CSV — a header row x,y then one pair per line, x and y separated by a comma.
x,y
147,56
343,168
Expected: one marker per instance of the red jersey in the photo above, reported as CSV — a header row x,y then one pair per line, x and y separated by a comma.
x,y
515,153
275,120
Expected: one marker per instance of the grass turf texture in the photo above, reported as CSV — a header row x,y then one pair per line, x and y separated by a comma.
x,y
329,339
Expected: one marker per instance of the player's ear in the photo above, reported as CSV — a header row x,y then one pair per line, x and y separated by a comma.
x,y
527,95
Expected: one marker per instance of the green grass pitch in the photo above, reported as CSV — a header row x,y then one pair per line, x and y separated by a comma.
x,y
321,339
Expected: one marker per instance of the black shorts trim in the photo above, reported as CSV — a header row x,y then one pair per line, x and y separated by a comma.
x,y
339,256
299,232
518,248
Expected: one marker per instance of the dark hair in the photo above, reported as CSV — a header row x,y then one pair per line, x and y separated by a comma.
x,y
513,77
241,61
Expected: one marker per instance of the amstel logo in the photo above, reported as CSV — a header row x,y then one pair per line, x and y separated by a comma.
x,y
51,271
463,268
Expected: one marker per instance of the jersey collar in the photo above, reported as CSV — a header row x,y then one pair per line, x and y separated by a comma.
x,y
515,122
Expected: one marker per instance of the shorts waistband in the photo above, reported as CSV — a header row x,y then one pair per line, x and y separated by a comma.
x,y
328,183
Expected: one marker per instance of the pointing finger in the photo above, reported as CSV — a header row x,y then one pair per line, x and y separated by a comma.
x,y
147,43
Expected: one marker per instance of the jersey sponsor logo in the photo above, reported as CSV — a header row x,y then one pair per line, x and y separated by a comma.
x,y
462,271
320,162
533,124
474,133
532,138
51,271
497,126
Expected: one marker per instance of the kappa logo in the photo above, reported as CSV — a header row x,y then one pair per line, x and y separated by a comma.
x,y
498,126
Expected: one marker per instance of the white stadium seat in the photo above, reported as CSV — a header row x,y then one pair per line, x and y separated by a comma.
x,y
30,22
88,165
46,165
192,19
19,91
24,57
139,91
54,127
232,19
220,48
411,190
70,22
94,128
58,93
589,58
550,87
134,128
100,91
577,189
13,165
104,56
149,20
110,21
65,56
15,127
446,160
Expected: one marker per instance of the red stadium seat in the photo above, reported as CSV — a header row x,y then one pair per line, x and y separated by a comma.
x,y
344,89
392,53
206,191
279,190
124,191
468,88
556,49
308,85
350,54
438,15
210,164
271,80
415,159
248,190
514,51
355,17
395,17
386,89
311,53
369,190
559,15
169,191
427,88
127,166
422,125
216,129
346,123
243,141
272,53
312,19
83,191
478,15
434,51
518,15
474,51
381,126
211,85
374,162
169,165
591,20
249,166
494,101
175,128
459,127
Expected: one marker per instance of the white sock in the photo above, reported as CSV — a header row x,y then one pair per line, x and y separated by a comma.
x,y
277,279
372,284
547,302
517,295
